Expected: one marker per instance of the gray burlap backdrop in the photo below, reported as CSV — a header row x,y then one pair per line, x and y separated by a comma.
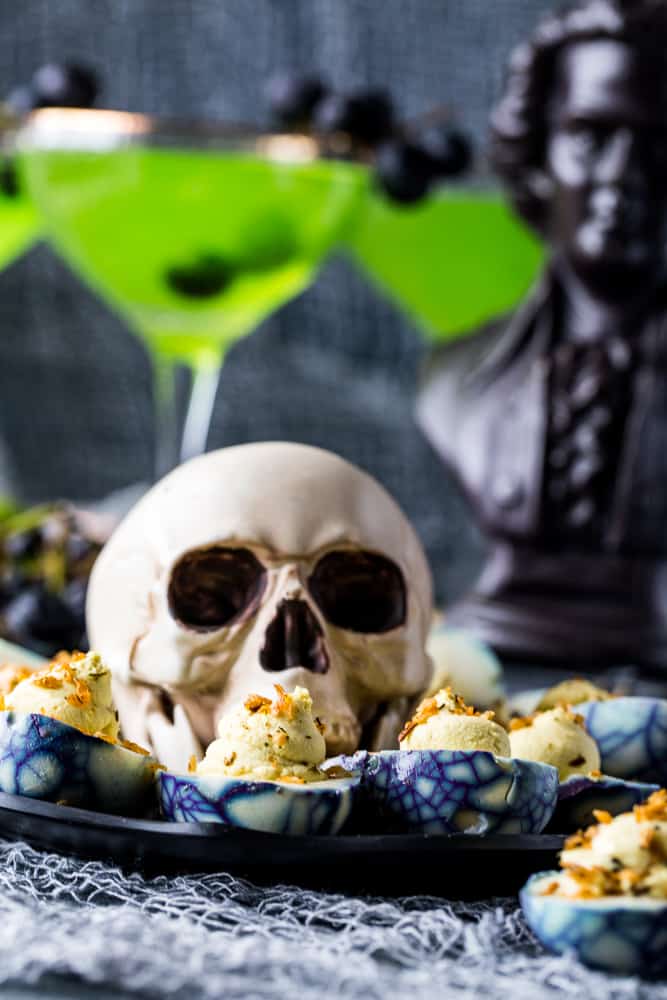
x,y
335,368
213,936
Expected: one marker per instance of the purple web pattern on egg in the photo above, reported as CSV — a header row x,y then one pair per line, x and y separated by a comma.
x,y
277,808
43,758
579,795
454,791
632,736
615,938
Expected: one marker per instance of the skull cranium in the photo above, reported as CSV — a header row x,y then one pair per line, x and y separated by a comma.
x,y
255,565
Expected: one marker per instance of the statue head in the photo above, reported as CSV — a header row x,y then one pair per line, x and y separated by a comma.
x,y
580,140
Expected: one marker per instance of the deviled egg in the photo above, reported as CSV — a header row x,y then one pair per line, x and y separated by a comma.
x,y
467,665
60,741
572,691
263,772
630,730
453,773
558,736
608,903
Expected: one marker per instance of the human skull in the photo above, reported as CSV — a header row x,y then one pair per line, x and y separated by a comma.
x,y
256,565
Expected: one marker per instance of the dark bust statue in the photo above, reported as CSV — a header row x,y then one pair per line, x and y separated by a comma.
x,y
554,419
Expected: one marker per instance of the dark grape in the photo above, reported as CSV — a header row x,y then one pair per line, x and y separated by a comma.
x,y
368,117
208,275
333,114
23,544
292,99
39,619
373,115
450,150
78,548
53,530
43,581
12,582
74,596
22,100
404,171
64,85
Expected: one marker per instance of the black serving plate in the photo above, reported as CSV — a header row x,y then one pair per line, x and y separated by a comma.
x,y
459,866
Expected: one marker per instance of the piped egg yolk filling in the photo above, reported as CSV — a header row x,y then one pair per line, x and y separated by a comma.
x,y
269,740
445,722
74,688
624,855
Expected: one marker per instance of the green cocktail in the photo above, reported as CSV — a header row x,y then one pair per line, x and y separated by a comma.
x,y
194,235
194,248
451,261
19,225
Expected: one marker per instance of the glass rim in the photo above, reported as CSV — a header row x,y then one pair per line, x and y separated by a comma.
x,y
104,130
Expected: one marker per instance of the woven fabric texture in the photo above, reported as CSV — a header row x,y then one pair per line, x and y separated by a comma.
x,y
214,935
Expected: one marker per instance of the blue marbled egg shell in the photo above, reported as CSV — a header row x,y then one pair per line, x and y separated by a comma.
x,y
43,758
455,791
632,736
605,934
275,807
579,795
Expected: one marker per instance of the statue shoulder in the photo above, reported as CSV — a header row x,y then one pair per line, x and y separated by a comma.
x,y
452,361
445,392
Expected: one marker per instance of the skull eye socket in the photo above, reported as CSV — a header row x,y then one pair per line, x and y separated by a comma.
x,y
213,587
360,591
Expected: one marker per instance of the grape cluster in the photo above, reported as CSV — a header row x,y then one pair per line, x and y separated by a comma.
x,y
46,555
53,85
408,162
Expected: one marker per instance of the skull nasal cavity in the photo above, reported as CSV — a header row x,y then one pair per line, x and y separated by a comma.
x,y
294,639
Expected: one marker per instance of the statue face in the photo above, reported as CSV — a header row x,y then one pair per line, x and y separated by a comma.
x,y
606,155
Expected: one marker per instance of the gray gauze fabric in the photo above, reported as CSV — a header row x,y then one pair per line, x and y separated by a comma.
x,y
336,368
213,935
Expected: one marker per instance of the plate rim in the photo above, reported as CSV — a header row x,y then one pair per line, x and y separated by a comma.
x,y
170,830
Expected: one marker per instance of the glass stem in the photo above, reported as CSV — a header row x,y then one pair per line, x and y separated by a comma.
x,y
167,416
183,399
200,409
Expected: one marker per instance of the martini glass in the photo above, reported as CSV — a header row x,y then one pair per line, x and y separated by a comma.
x,y
193,232
452,261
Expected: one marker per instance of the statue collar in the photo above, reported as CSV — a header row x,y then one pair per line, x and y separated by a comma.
x,y
535,316
519,329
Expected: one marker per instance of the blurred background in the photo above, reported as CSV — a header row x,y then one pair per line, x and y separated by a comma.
x,y
338,366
